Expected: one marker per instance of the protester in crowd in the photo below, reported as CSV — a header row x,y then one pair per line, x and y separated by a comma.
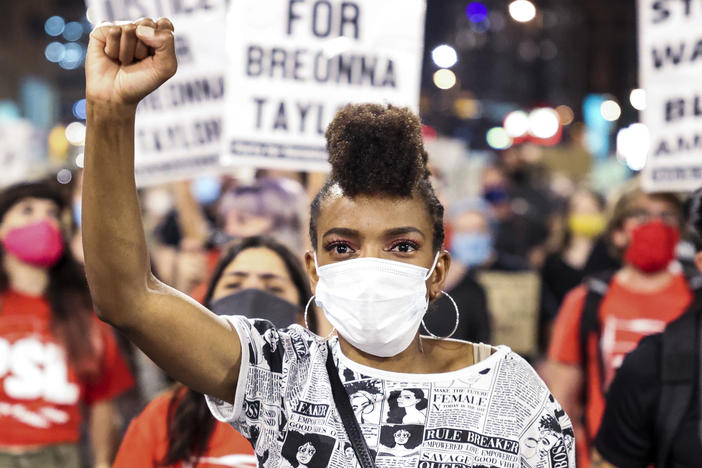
x,y
512,214
602,320
57,357
652,416
376,229
255,277
471,247
583,222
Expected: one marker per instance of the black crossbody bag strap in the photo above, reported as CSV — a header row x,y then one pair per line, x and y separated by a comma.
x,y
343,406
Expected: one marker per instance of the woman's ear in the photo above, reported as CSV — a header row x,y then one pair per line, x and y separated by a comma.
x,y
438,278
311,270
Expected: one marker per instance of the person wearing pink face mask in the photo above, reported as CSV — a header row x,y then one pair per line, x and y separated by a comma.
x,y
56,357
603,319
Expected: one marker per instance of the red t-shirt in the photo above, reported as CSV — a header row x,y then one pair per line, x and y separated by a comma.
x,y
625,316
146,442
40,393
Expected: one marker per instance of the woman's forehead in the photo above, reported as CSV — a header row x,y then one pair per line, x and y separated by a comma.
x,y
369,214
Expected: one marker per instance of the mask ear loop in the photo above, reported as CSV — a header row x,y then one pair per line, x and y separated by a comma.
x,y
307,307
455,326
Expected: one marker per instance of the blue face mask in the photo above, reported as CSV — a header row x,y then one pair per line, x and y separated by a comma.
x,y
472,249
206,189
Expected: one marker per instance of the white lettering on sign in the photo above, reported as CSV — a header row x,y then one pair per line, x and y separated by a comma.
x,y
30,369
670,57
294,63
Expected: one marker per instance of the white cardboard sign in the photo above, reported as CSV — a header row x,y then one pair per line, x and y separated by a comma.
x,y
178,126
293,63
670,60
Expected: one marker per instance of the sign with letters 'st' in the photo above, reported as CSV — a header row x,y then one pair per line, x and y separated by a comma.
x,y
178,126
293,63
670,60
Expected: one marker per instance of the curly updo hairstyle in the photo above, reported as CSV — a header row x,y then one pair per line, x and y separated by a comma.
x,y
377,150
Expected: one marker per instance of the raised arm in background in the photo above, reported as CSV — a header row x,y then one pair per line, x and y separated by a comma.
x,y
124,63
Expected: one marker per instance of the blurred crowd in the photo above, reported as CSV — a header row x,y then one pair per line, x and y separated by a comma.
x,y
570,277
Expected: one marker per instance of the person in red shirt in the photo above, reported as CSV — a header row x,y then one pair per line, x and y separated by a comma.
x,y
56,357
257,275
644,295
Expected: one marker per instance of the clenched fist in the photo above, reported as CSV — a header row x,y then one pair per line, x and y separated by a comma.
x,y
126,62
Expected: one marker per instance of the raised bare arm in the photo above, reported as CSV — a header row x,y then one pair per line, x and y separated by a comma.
x,y
124,63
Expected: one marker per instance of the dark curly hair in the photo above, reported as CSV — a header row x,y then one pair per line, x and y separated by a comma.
x,y
377,150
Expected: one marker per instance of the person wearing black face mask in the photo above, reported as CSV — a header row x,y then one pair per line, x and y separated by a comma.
x,y
256,277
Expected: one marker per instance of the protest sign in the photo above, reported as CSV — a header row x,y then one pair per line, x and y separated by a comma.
x,y
178,126
19,152
293,63
670,60
513,299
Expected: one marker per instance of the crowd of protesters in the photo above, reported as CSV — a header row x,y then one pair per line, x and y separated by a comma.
x,y
605,270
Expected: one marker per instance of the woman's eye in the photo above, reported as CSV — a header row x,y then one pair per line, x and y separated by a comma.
x,y
27,210
233,286
339,248
404,246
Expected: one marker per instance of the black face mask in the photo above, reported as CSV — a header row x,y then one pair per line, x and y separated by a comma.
x,y
254,303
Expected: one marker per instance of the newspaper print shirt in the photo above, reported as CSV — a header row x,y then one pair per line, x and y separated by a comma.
x,y
496,413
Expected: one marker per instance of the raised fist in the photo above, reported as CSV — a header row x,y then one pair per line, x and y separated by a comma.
x,y
126,62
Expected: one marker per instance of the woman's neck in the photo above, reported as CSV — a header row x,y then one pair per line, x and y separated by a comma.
x,y
24,278
423,356
578,251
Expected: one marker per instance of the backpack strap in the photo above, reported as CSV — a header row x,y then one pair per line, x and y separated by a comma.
x,y
680,358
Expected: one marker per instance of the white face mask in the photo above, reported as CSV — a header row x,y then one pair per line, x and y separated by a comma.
x,y
375,304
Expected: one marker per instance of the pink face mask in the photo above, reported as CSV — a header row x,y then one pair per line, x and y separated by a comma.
x,y
38,244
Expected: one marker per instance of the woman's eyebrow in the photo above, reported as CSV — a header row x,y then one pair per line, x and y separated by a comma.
x,y
402,230
345,232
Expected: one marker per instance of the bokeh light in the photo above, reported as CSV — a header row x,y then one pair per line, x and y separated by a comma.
x,y
633,144
55,52
444,56
444,79
64,176
516,124
80,160
75,133
54,26
476,12
637,97
73,58
610,110
522,11
73,31
79,109
497,138
565,114
544,123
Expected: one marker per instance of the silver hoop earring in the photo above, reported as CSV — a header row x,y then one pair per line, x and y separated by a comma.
x,y
307,326
455,326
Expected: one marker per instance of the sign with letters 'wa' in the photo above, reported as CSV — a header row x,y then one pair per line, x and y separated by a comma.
x,y
670,49
178,126
294,63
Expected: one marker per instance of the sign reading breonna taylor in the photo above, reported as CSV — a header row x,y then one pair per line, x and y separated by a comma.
x,y
179,126
670,49
294,63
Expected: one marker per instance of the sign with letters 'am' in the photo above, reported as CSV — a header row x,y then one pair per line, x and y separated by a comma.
x,y
294,63
178,126
670,57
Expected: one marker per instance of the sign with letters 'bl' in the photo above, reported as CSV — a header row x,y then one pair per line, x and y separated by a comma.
x,y
670,57
294,63
178,126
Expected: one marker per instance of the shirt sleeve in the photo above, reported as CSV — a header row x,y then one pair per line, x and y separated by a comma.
x,y
115,377
270,360
626,436
145,437
565,340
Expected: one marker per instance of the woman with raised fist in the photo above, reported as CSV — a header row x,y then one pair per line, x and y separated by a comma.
x,y
376,230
